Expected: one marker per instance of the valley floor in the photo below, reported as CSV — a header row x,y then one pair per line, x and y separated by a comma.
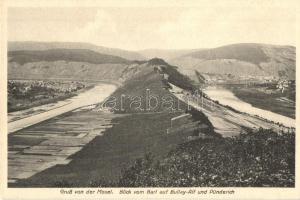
x,y
89,147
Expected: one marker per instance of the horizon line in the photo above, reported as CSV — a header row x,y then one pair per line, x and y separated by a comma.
x,y
145,49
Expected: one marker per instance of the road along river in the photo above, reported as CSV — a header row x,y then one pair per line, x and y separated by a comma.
x,y
95,95
226,97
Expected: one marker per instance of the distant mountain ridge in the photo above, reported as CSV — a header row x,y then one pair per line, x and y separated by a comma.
x,y
75,55
245,52
38,46
248,52
245,59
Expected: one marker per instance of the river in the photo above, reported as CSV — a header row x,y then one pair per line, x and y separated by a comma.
x,y
226,97
95,95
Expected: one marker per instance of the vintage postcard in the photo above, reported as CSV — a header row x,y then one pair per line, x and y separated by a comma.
x,y
149,99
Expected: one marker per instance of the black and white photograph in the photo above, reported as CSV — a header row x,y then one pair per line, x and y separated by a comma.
x,y
142,96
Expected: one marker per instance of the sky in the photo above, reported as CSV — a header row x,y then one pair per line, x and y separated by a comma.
x,y
137,28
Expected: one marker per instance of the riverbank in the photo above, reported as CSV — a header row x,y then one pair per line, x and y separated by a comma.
x,y
226,97
227,121
276,102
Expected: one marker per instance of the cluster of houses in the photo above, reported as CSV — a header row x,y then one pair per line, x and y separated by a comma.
x,y
26,86
243,79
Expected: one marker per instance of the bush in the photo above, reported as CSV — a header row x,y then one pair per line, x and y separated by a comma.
x,y
257,159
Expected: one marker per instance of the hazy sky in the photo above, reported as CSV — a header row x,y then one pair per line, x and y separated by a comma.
x,y
157,27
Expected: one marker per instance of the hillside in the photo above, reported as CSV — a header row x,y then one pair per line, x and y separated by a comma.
x,y
78,64
245,52
40,46
150,78
241,59
256,159
133,133
73,64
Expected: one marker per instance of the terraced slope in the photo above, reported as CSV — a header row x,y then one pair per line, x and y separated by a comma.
x,y
71,64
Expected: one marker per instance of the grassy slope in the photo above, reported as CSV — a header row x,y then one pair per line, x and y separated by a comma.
x,y
136,87
149,79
